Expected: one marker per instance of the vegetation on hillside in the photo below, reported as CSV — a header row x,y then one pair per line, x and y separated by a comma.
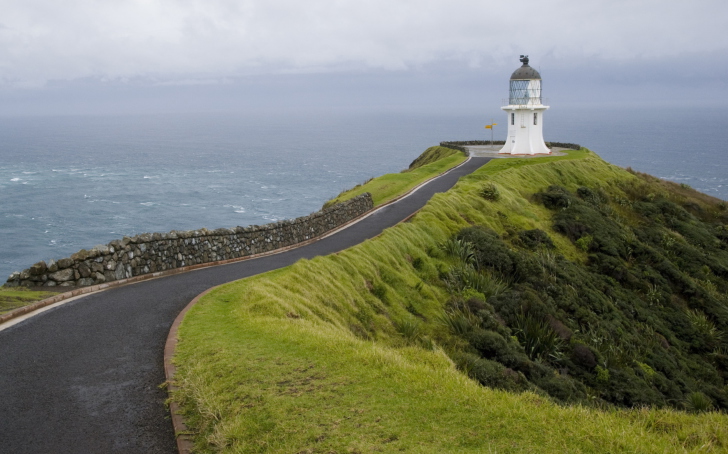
x,y
542,305
433,162
639,322
431,155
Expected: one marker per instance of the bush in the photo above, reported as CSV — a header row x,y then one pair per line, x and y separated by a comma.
x,y
554,198
410,328
462,278
712,336
489,344
563,388
602,375
459,322
490,250
460,250
593,197
698,402
489,191
539,340
584,243
533,239
583,356
491,374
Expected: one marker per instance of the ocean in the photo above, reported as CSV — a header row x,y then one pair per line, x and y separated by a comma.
x,y
72,182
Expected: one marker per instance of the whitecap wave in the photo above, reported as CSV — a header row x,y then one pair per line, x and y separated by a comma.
x,y
236,208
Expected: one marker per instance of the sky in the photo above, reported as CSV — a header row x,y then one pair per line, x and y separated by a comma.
x,y
148,56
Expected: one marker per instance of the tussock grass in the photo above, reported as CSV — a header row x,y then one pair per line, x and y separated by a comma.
x,y
327,354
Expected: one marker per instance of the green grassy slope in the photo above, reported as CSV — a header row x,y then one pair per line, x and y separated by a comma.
x,y
382,348
434,161
14,298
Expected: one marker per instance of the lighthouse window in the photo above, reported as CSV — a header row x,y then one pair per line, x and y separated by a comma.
x,y
535,118
513,119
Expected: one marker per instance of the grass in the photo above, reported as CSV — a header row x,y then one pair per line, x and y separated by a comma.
x,y
294,386
14,298
319,357
392,185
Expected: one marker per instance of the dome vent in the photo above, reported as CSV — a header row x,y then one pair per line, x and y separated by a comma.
x,y
525,72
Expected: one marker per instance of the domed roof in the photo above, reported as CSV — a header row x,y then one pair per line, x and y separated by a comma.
x,y
525,72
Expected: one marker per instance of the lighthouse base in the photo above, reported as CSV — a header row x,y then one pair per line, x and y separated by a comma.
x,y
525,131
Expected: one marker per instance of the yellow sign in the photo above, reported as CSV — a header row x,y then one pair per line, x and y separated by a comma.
x,y
489,127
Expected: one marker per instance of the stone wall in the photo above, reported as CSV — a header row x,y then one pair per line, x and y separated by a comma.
x,y
153,252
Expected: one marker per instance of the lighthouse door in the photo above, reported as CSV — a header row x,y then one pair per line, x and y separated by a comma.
x,y
522,117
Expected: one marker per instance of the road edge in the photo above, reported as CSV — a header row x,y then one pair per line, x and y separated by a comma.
x,y
181,431
23,313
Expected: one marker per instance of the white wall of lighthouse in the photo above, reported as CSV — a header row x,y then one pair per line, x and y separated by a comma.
x,y
524,109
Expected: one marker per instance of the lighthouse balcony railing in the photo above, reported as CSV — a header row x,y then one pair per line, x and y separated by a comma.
x,y
539,101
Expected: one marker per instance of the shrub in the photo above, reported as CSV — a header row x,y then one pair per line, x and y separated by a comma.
x,y
490,250
584,243
698,402
591,196
460,250
705,327
554,198
583,356
602,374
491,374
459,322
539,340
410,328
648,372
461,278
489,191
533,239
489,344
563,388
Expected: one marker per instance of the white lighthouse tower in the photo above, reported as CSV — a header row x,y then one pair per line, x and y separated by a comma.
x,y
525,113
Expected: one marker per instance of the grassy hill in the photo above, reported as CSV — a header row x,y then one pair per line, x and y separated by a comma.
x,y
433,162
542,305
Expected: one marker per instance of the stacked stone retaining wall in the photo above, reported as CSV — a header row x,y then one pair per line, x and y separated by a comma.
x,y
153,252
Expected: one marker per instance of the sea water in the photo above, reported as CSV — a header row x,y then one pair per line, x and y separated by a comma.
x,y
72,182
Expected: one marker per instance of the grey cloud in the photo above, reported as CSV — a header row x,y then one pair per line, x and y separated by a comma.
x,y
173,40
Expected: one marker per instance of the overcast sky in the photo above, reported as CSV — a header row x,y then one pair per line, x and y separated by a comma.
x,y
76,56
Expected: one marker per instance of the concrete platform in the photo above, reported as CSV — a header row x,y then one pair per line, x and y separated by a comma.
x,y
488,151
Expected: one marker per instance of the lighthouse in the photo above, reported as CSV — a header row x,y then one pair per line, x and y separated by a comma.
x,y
525,113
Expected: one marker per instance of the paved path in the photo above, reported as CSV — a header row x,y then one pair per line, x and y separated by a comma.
x,y
84,377
491,151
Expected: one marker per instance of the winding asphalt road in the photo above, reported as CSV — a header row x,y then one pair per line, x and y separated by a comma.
x,y
85,377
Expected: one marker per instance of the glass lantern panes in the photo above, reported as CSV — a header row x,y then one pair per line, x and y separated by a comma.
x,y
525,92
